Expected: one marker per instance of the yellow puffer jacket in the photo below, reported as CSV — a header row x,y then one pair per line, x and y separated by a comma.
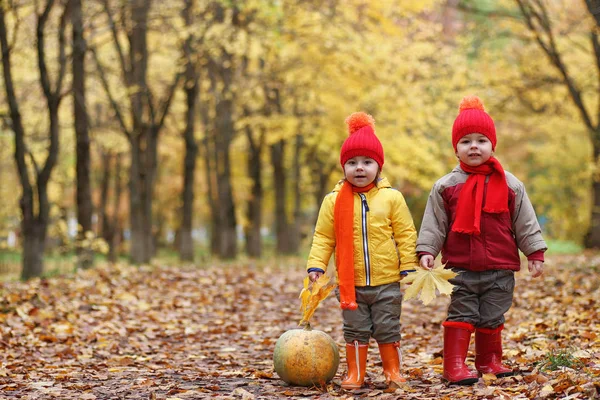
x,y
382,248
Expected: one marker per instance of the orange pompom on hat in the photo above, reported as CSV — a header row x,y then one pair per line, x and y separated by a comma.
x,y
362,140
472,118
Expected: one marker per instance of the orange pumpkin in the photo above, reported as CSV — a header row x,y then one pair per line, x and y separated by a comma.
x,y
306,357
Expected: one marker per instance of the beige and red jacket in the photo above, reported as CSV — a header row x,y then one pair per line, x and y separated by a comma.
x,y
384,236
502,235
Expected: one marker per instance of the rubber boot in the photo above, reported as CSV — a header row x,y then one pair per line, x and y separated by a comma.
x,y
488,350
456,345
391,357
356,357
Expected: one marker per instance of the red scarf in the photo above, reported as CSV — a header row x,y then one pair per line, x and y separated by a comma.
x,y
470,199
343,221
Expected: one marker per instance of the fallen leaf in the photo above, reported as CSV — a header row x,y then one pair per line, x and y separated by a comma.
x,y
246,395
547,389
488,379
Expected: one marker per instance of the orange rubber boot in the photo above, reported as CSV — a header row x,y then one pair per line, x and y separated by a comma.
x,y
391,357
356,357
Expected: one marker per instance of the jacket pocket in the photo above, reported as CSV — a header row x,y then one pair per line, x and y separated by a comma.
x,y
396,248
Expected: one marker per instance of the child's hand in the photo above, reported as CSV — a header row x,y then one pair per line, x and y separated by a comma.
x,y
313,276
427,261
536,267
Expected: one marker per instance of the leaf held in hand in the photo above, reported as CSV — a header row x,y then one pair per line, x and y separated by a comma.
x,y
311,298
427,282
304,295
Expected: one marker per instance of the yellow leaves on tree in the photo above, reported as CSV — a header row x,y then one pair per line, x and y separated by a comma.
x,y
427,282
311,297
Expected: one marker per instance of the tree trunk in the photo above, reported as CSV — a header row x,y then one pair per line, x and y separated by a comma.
x,y
592,237
84,197
295,227
151,164
210,167
221,76
321,172
105,231
279,185
147,120
115,223
34,221
185,240
110,226
34,243
227,218
254,213
141,145
282,233
139,250
186,243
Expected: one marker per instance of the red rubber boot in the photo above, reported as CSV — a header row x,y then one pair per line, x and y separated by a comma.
x,y
488,349
457,336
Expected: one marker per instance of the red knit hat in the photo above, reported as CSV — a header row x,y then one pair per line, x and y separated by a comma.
x,y
362,140
472,118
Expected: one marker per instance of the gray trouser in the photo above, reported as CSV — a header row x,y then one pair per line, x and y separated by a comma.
x,y
377,315
481,298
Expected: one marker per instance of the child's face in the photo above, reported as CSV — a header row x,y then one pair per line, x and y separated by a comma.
x,y
474,149
361,171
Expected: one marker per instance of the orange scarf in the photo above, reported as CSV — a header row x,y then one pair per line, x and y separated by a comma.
x,y
343,220
470,199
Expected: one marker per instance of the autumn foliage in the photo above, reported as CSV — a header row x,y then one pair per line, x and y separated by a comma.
x,y
161,332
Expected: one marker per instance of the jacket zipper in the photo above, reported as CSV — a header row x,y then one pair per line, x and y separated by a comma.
x,y
365,241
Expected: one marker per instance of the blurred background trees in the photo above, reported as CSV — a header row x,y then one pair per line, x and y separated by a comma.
x,y
213,128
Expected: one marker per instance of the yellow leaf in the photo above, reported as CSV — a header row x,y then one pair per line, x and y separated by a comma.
x,y
428,282
416,278
489,378
304,295
547,389
311,298
428,289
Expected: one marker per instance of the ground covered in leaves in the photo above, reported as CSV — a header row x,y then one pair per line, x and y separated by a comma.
x,y
159,332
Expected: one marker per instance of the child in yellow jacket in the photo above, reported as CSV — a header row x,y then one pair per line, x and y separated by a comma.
x,y
370,227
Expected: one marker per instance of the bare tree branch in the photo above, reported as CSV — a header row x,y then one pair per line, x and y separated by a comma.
x,y
17,20
125,68
596,47
545,38
111,98
36,168
166,104
62,58
594,9
15,114
44,78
